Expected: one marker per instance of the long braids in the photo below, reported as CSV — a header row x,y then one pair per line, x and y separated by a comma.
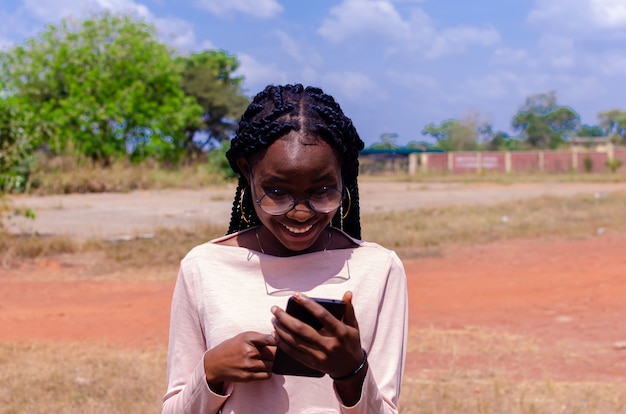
x,y
275,112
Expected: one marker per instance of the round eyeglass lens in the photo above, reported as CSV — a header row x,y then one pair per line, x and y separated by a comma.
x,y
278,202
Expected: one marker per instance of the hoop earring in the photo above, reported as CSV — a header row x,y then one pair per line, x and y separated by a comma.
x,y
344,215
243,215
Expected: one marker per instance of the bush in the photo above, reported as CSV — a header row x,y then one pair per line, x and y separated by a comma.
x,y
15,150
588,164
613,164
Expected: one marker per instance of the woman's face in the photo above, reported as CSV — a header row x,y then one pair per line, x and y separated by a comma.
x,y
301,167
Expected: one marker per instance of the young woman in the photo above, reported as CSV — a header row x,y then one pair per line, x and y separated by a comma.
x,y
294,232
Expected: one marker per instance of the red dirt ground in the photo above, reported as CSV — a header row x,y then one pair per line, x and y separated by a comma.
x,y
567,296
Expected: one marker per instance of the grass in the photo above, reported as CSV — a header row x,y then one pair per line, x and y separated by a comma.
x,y
64,175
416,232
81,378
459,392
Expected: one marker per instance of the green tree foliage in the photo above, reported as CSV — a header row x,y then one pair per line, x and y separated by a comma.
x,y
103,87
590,131
387,142
15,148
543,123
208,77
613,124
454,135
497,141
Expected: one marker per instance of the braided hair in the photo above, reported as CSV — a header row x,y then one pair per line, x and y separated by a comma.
x,y
275,112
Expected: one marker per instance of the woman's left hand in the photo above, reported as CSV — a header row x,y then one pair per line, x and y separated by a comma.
x,y
334,349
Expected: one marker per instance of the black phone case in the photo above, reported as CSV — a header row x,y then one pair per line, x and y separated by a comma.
x,y
286,365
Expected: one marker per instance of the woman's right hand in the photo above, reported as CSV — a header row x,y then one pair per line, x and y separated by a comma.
x,y
246,357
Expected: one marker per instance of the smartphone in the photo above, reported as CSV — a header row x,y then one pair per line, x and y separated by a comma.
x,y
286,365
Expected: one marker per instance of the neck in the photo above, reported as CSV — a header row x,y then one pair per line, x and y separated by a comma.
x,y
274,248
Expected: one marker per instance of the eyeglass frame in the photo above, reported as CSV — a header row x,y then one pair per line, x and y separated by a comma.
x,y
294,200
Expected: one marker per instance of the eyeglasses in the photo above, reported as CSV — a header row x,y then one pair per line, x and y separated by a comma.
x,y
278,202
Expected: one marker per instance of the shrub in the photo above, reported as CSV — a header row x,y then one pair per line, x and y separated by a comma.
x,y
613,164
588,164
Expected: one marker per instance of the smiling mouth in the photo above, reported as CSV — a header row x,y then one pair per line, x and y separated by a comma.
x,y
298,230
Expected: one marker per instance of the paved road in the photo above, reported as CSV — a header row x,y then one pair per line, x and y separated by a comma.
x,y
117,215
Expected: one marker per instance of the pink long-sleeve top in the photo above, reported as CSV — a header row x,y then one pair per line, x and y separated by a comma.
x,y
223,290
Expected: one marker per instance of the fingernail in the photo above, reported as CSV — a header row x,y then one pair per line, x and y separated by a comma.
x,y
273,309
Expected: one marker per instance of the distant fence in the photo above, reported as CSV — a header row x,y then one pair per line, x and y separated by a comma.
x,y
575,160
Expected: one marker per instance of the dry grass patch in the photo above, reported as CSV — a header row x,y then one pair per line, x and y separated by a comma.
x,y
166,247
79,378
410,232
17,248
459,392
471,340
64,175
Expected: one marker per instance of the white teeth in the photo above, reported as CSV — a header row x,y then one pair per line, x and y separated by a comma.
x,y
297,230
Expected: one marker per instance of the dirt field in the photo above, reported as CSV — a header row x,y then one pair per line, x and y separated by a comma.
x,y
558,304
122,215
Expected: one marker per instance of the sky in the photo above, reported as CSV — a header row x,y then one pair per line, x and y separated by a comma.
x,y
394,66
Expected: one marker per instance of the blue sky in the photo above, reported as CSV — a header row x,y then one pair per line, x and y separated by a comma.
x,y
394,65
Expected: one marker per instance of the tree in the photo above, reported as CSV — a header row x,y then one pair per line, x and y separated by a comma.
x,y
103,87
590,131
15,148
453,135
544,123
440,132
387,142
208,77
613,123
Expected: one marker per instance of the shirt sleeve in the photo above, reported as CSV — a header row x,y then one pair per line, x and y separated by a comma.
x,y
387,352
187,390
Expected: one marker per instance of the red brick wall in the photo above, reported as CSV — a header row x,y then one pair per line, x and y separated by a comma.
x,y
524,162
438,162
494,161
557,161
520,161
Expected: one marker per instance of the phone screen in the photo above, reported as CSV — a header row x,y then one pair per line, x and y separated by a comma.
x,y
286,365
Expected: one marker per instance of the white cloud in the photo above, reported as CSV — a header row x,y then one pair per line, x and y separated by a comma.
x,y
609,13
558,51
52,11
262,9
510,56
299,52
579,19
612,63
258,74
577,88
5,44
457,39
207,45
357,18
496,85
379,20
414,80
354,87
174,31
